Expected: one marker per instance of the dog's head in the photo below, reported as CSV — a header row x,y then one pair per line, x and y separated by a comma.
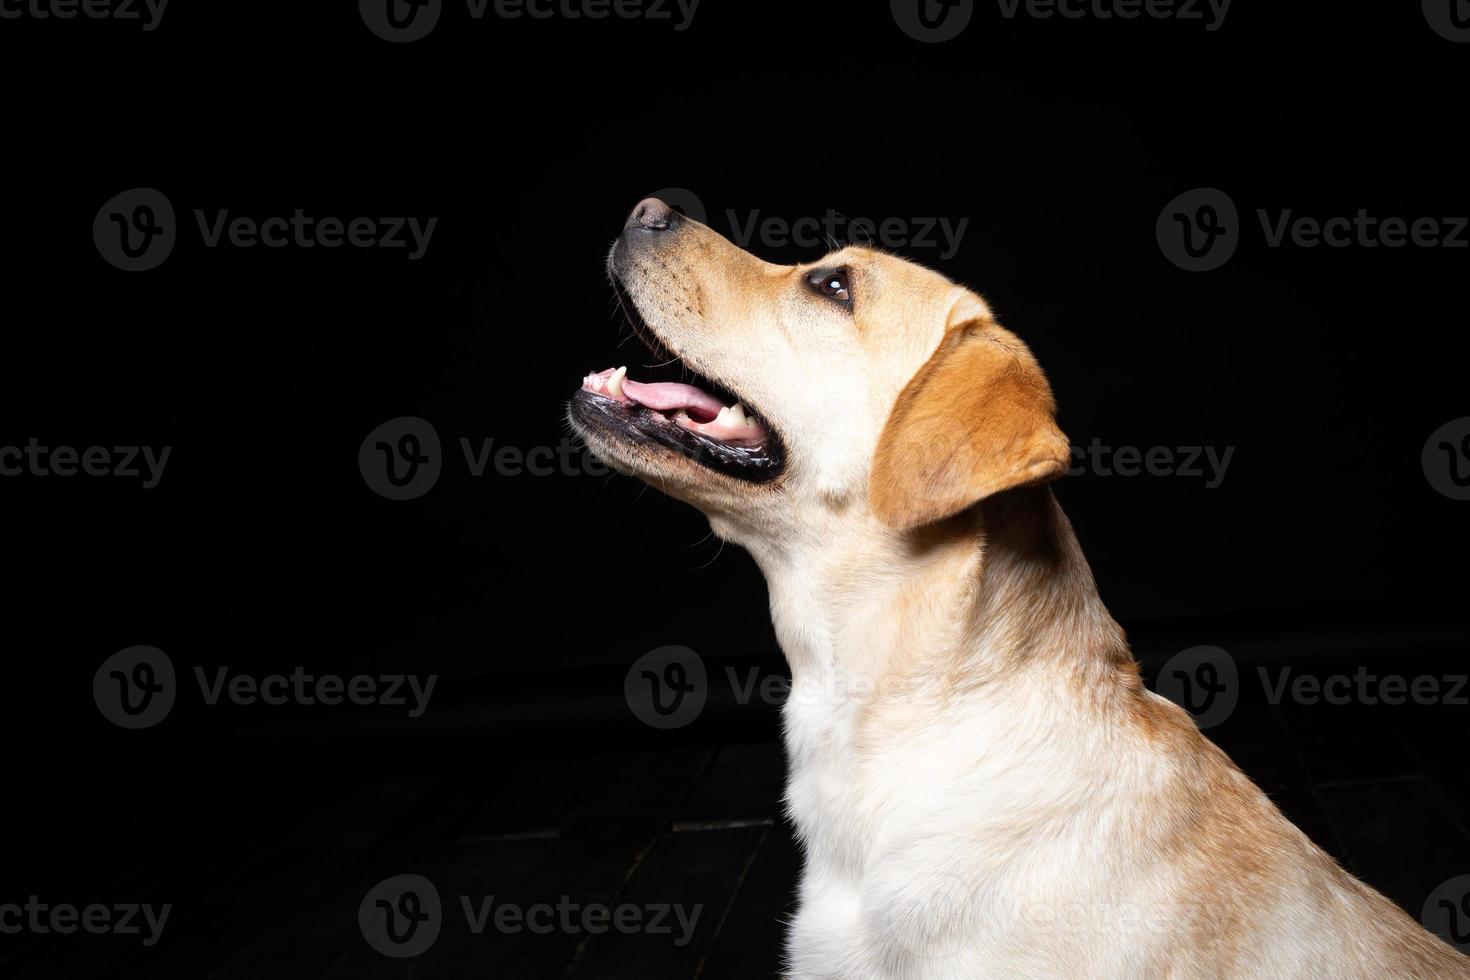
x,y
859,381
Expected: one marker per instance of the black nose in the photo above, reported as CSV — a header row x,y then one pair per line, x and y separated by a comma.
x,y
652,214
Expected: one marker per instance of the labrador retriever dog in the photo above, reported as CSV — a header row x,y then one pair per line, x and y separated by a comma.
x,y
981,784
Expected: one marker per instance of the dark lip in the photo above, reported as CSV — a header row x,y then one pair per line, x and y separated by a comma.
x,y
644,426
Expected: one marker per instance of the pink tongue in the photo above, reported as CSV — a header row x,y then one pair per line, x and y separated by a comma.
x,y
669,397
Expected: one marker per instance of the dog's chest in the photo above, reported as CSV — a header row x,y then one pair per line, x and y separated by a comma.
x,y
825,788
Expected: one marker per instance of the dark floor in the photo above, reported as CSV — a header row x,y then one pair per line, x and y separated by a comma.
x,y
267,866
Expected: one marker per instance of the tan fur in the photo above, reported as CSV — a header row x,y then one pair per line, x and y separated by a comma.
x,y
977,419
972,749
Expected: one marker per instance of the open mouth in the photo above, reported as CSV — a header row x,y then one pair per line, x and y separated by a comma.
x,y
701,421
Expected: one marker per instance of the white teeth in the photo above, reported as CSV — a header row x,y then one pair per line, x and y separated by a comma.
x,y
615,383
733,416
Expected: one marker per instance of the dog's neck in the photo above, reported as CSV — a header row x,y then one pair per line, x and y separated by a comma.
x,y
1001,587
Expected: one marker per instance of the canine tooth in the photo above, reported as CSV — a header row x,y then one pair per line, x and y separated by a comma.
x,y
615,383
737,416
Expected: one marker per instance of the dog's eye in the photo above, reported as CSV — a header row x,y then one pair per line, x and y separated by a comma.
x,y
833,284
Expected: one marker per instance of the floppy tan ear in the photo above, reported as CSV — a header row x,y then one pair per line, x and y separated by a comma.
x,y
977,419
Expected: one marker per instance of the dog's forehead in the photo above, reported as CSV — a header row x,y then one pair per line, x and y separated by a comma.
x,y
870,260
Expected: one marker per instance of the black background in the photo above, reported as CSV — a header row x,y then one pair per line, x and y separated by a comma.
x,y
1061,141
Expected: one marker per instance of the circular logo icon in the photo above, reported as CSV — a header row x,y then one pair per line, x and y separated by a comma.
x,y
400,21
134,688
1447,912
933,21
1199,230
684,201
401,916
667,688
401,458
135,230
1446,459
1450,19
1203,681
